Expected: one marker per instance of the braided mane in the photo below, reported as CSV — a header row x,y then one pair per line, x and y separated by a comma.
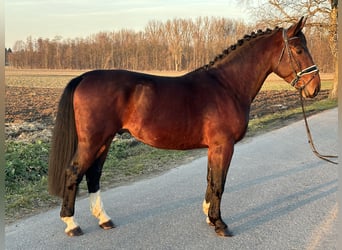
x,y
239,43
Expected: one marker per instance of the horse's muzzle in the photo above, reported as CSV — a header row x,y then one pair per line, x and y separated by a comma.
x,y
307,94
312,87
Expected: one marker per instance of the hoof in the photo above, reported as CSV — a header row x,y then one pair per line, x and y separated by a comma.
x,y
77,231
107,225
223,232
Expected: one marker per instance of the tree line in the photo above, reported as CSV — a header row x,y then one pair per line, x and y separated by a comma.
x,y
177,44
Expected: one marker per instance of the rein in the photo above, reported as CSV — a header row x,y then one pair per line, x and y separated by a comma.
x,y
310,141
294,82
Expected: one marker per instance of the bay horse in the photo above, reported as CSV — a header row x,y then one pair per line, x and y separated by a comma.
x,y
206,108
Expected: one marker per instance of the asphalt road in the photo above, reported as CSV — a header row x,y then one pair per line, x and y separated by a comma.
x,y
278,196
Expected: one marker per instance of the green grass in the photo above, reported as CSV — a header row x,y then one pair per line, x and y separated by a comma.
x,y
26,198
25,177
25,163
268,121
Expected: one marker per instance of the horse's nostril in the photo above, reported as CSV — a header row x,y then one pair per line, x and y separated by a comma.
x,y
317,91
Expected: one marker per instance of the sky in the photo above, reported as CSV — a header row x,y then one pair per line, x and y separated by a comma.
x,y
81,18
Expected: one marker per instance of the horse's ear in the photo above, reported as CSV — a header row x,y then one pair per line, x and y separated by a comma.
x,y
294,29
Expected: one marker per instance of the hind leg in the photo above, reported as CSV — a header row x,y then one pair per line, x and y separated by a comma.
x,y
84,157
73,178
93,181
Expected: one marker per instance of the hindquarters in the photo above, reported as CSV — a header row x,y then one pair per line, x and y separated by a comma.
x,y
87,119
100,103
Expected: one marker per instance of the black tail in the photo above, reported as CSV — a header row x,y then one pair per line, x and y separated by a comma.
x,y
64,140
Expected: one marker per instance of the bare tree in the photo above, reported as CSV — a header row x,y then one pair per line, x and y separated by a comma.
x,y
179,44
154,46
322,16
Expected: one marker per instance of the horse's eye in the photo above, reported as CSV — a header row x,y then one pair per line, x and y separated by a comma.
x,y
299,50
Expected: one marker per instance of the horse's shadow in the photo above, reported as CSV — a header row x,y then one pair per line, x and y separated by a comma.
x,y
250,218
281,206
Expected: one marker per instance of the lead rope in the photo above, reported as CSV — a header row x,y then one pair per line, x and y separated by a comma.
x,y
310,141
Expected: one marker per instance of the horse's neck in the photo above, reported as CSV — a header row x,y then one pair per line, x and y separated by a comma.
x,y
246,70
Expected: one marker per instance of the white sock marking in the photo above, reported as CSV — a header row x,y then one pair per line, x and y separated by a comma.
x,y
70,222
96,207
206,206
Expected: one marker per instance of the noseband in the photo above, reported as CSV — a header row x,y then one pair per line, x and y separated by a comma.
x,y
306,71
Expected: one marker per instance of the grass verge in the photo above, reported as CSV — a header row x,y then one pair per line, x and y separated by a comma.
x,y
276,120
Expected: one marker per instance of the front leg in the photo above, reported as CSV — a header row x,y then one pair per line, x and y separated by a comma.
x,y
219,158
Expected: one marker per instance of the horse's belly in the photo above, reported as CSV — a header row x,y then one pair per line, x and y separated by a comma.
x,y
166,139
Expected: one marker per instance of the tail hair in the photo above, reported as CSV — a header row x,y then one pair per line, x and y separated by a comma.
x,y
64,140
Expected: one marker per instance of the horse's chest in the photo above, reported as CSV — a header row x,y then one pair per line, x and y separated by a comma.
x,y
236,122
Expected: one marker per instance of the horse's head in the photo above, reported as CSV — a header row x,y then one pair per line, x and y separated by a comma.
x,y
295,63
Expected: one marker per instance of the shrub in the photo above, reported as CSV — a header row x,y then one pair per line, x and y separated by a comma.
x,y
25,162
